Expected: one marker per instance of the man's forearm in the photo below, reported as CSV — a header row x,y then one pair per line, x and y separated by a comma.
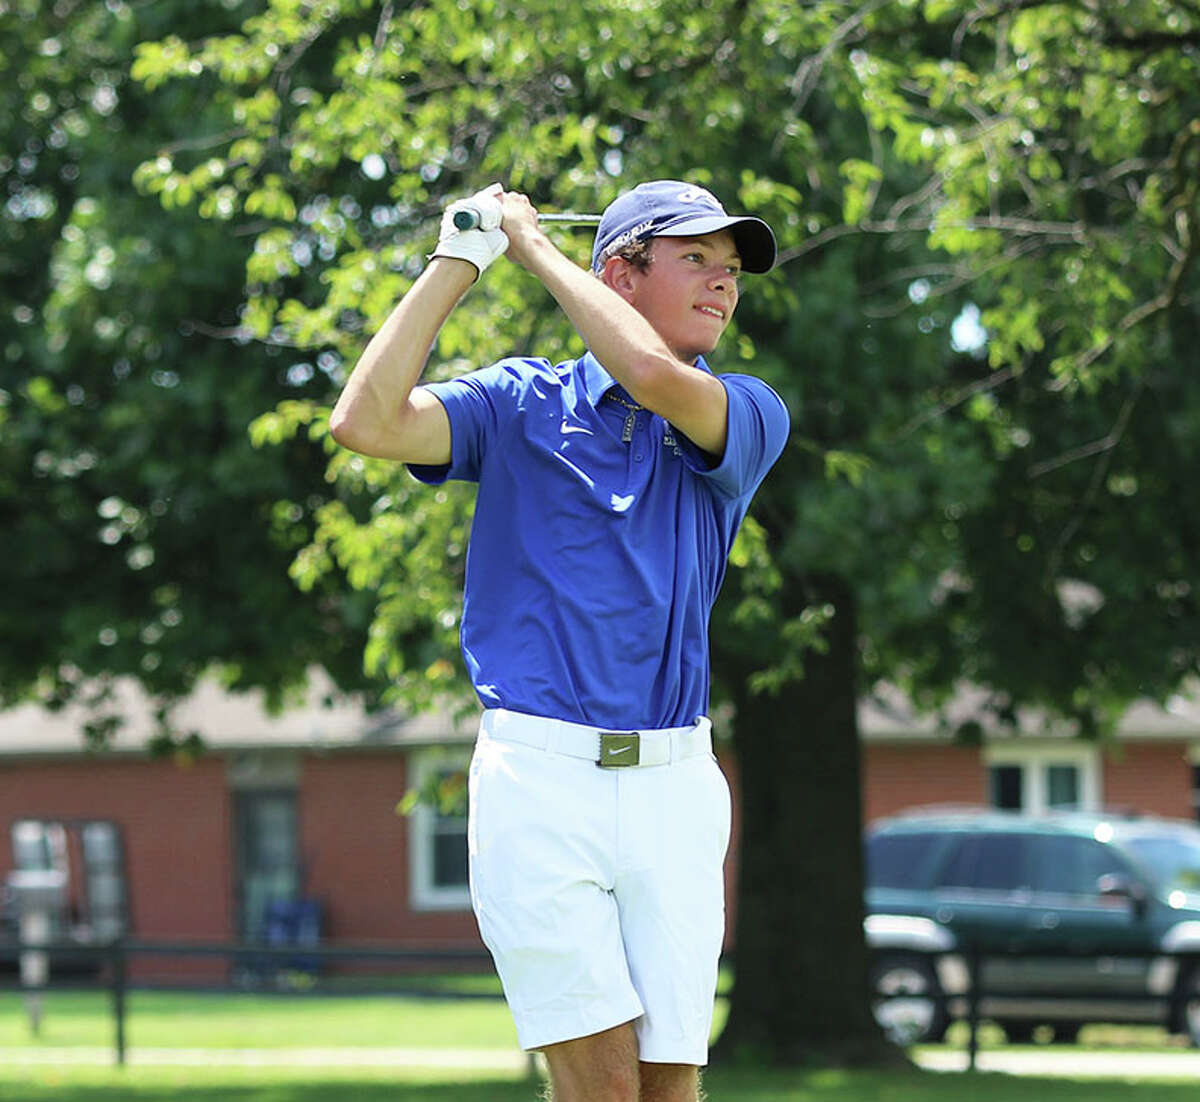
x,y
628,346
634,352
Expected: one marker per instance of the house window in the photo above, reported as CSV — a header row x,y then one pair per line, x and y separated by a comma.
x,y
90,856
438,832
1040,778
1007,782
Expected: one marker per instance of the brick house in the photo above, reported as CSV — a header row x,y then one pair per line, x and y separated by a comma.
x,y
1151,764
303,806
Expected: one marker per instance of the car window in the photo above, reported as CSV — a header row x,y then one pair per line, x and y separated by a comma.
x,y
899,860
987,862
1172,859
1071,866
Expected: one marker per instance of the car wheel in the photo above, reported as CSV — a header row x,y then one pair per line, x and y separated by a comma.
x,y
912,1011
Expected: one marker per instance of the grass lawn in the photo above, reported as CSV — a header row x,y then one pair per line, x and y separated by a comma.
x,y
373,1085
172,1020
207,1022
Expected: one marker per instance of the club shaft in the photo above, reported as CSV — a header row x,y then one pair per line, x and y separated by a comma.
x,y
467,218
569,218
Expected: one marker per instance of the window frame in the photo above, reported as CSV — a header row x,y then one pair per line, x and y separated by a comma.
x,y
423,829
1035,760
66,852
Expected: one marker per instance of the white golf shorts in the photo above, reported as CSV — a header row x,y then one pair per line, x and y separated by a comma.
x,y
600,891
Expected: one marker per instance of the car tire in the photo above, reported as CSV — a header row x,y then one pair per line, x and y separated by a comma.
x,y
915,1012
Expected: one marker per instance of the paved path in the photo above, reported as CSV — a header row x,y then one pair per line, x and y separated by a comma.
x,y
1184,1064
485,1059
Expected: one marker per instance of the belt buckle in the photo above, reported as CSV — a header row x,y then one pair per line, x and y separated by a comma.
x,y
619,749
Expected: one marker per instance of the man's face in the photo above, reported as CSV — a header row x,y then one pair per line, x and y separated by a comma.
x,y
689,291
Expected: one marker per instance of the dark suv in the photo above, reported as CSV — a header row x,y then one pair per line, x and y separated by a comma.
x,y
1077,919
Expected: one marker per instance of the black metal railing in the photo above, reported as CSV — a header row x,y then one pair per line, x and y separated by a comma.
x,y
107,967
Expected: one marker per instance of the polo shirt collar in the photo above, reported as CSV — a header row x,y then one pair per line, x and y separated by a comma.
x,y
597,381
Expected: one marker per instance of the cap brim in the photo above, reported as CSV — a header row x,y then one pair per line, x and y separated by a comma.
x,y
755,241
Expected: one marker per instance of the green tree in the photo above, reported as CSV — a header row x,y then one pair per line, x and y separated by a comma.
x,y
1022,523
1008,510
355,159
142,533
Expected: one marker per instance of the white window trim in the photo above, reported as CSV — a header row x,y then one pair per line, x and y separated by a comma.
x,y
1033,758
424,895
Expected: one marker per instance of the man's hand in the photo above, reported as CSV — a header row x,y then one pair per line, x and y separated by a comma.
x,y
520,223
477,246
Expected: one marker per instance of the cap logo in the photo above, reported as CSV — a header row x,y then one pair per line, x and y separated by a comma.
x,y
621,240
699,195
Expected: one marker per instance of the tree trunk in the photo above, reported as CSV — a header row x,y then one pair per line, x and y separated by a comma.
x,y
800,993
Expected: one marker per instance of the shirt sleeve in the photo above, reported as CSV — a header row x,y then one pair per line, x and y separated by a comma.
x,y
757,430
477,405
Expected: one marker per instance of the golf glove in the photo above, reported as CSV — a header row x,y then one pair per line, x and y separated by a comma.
x,y
479,246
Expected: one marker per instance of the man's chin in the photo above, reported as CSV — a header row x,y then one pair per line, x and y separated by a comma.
x,y
694,351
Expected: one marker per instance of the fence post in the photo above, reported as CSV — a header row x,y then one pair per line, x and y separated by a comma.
x,y
974,972
119,984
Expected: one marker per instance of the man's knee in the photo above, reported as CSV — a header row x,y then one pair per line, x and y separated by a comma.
x,y
599,1068
669,1082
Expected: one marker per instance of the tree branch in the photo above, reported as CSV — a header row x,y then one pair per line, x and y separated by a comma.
x,y
1105,448
1078,232
804,81
963,394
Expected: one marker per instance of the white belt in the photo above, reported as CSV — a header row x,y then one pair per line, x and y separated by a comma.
x,y
607,748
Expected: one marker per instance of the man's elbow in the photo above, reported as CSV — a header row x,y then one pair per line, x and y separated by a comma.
x,y
345,430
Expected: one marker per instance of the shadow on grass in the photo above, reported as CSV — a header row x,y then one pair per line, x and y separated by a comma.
x,y
829,1085
311,1090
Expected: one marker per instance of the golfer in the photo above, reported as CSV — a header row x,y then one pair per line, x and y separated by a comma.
x,y
610,491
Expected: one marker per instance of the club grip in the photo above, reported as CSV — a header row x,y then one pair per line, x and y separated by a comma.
x,y
467,218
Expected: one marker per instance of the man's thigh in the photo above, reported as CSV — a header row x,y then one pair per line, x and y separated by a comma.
x,y
671,892
542,867
600,894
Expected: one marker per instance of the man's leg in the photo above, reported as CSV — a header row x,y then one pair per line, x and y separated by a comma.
x,y
602,1067
669,1082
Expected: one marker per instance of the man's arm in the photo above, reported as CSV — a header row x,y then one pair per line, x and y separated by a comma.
x,y
379,412
624,341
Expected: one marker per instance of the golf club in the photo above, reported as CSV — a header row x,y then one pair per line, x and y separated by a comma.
x,y
468,218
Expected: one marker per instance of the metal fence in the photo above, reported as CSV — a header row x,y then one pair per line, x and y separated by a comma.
x,y
109,969
106,967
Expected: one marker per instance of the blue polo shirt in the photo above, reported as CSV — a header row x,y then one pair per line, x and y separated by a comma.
x,y
594,561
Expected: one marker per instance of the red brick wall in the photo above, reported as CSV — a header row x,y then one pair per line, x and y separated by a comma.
x,y
1149,776
354,849
174,820
897,776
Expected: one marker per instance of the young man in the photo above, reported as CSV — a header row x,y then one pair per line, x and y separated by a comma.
x,y
610,491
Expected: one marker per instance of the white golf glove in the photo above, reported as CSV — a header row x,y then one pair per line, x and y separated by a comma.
x,y
479,245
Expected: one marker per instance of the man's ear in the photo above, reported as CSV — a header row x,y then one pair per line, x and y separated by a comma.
x,y
618,274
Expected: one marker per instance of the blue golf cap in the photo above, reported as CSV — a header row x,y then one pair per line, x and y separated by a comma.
x,y
672,208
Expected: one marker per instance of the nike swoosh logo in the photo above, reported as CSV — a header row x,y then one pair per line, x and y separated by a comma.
x,y
618,750
566,428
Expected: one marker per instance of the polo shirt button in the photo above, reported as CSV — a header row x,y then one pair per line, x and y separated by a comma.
x,y
638,458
